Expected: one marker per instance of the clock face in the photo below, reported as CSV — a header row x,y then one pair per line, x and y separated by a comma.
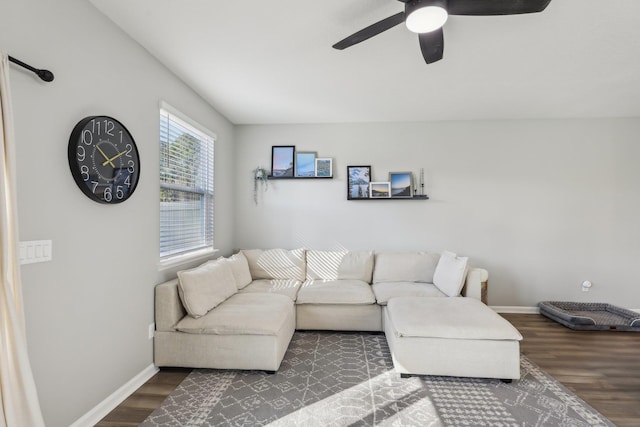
x,y
104,160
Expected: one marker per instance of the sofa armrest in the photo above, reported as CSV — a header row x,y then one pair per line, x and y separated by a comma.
x,y
475,286
169,309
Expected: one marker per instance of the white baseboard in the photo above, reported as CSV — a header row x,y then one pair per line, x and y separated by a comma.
x,y
515,309
92,417
527,310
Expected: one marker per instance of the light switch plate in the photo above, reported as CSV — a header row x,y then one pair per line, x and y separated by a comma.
x,y
36,251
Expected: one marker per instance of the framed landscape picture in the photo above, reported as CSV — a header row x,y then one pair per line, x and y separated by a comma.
x,y
358,179
282,160
401,184
324,167
305,164
380,190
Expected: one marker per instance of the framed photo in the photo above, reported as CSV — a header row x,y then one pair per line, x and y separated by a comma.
x,y
324,167
305,163
358,179
380,190
401,184
282,160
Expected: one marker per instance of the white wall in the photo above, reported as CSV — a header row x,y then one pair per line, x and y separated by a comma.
x,y
88,310
543,205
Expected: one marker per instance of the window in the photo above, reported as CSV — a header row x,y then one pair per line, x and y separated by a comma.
x,y
186,186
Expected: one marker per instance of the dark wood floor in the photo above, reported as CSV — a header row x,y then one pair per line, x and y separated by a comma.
x,y
603,368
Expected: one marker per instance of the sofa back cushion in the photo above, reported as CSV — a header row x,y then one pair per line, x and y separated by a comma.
x,y
203,288
240,269
450,273
339,265
405,267
276,263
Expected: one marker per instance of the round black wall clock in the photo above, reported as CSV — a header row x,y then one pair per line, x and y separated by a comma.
x,y
104,159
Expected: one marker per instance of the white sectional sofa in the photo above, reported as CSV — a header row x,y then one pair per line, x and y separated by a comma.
x,y
241,312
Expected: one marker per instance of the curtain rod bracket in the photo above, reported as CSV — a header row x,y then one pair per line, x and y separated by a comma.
x,y
45,75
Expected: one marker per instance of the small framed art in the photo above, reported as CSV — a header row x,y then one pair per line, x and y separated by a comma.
x,y
324,167
358,179
305,163
282,160
380,190
401,184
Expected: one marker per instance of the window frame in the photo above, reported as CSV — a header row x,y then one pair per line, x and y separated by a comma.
x,y
172,260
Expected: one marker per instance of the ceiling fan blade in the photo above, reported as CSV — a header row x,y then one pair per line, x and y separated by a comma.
x,y
495,7
432,45
370,31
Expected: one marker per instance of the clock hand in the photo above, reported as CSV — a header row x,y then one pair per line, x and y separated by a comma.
x,y
113,158
105,156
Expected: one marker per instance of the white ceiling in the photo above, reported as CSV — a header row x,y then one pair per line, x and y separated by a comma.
x,y
260,62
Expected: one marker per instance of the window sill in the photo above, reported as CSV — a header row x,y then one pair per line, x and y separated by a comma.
x,y
177,260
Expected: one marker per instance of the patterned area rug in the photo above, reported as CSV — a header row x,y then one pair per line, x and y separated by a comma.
x,y
347,379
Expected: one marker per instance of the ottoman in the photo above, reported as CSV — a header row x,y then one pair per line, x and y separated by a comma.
x,y
455,336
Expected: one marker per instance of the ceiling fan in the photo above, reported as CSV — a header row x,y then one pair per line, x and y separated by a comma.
x,y
426,17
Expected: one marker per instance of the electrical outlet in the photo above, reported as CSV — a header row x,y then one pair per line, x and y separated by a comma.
x,y
152,330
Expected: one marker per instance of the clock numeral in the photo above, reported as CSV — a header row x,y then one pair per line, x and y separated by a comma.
x,y
84,171
131,167
129,148
95,185
95,124
81,154
121,137
119,192
128,180
109,126
107,194
87,137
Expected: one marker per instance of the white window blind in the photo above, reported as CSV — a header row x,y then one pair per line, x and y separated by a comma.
x,y
186,187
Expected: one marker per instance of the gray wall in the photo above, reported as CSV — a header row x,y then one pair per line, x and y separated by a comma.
x,y
88,310
543,205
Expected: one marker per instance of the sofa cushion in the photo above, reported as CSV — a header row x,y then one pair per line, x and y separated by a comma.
x,y
449,318
335,292
239,269
404,267
387,290
335,265
276,263
285,287
450,273
242,314
204,287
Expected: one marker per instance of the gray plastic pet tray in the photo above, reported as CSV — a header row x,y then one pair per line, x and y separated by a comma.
x,y
591,316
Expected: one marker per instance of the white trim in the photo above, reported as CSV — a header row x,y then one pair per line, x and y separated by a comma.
x,y
515,309
186,119
177,260
100,411
527,310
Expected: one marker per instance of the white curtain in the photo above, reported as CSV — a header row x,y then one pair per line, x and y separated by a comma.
x,y
18,397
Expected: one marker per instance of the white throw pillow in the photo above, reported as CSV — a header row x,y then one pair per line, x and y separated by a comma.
x,y
203,288
356,266
239,269
450,273
405,267
339,265
276,263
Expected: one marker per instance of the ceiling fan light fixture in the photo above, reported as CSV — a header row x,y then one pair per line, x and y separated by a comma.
x,y
424,16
